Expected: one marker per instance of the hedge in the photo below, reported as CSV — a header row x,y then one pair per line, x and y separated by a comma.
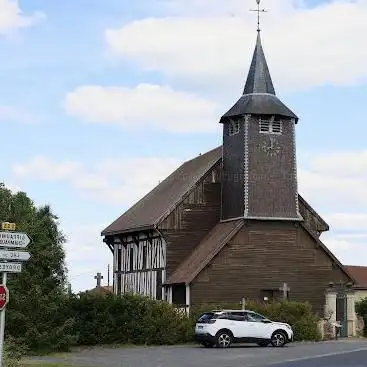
x,y
361,310
127,320
139,320
108,319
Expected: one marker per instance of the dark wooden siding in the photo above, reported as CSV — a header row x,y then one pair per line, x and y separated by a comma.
x,y
187,225
233,173
272,187
263,256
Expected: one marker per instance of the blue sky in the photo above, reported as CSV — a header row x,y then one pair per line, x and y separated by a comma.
x,y
68,131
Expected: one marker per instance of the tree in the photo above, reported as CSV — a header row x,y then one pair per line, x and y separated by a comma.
x,y
361,309
37,311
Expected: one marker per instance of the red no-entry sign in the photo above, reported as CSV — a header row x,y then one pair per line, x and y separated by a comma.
x,y
4,296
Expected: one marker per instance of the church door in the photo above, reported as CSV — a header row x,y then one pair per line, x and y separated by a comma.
x,y
341,312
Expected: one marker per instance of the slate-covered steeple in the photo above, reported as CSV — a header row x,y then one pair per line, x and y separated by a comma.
x,y
259,93
259,173
258,78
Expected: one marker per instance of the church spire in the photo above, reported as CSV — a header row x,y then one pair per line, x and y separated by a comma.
x,y
258,96
258,78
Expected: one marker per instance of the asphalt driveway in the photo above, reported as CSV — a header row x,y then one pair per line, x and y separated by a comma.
x,y
346,353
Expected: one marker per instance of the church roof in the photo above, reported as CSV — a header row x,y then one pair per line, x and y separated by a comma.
x,y
259,104
259,94
159,202
219,236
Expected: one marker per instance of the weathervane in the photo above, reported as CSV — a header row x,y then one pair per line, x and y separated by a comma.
x,y
258,10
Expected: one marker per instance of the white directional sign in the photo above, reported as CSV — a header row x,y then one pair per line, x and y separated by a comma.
x,y
14,255
14,239
10,267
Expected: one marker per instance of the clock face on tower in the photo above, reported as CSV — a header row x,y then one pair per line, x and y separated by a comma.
x,y
271,147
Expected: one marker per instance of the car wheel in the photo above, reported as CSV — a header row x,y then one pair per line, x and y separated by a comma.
x,y
207,344
278,339
223,339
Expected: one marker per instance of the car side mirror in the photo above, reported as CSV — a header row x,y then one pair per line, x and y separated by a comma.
x,y
266,321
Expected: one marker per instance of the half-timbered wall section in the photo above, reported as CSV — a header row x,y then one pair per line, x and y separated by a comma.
x,y
311,219
139,264
192,219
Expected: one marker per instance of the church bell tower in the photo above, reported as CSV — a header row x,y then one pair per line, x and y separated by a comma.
x,y
259,179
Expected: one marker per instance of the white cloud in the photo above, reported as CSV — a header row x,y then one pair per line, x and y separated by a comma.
x,y
349,250
212,43
11,16
333,190
353,164
144,106
86,255
335,183
349,222
117,181
45,169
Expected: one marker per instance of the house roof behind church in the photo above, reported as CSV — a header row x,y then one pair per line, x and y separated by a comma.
x,y
359,273
148,211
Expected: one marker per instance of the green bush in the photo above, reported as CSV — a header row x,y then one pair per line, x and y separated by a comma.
x,y
92,319
108,319
13,353
298,315
361,310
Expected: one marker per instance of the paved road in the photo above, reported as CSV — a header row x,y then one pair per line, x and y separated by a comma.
x,y
341,353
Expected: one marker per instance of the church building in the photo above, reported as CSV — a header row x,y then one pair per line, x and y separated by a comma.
x,y
230,224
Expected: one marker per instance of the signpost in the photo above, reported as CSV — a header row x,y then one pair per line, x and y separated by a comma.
x,y
14,255
14,239
10,262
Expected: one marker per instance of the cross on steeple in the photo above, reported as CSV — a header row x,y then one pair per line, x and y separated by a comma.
x,y
98,277
258,10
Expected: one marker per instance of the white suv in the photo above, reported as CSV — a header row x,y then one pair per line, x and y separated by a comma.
x,y
222,328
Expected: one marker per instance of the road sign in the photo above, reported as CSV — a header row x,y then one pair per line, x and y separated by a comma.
x,y
10,267
14,239
8,226
14,255
4,296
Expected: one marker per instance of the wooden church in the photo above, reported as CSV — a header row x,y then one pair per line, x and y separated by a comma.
x,y
230,224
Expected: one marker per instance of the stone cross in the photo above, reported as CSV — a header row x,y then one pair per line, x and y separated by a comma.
x,y
285,289
98,277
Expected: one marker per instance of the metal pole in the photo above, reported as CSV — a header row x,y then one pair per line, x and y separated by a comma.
x,y
2,326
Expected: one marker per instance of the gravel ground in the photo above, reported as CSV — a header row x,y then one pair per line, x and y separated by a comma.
x,y
346,353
